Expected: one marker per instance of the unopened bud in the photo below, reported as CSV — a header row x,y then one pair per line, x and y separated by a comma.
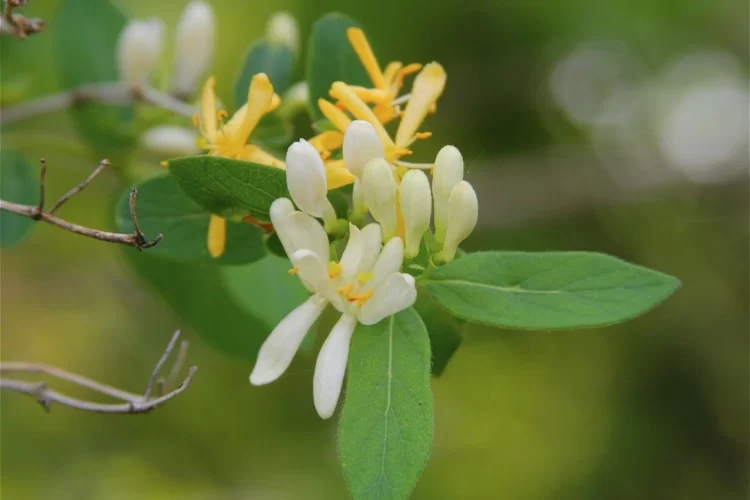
x,y
464,208
306,180
194,44
416,207
282,28
170,141
138,50
449,171
380,190
295,99
361,144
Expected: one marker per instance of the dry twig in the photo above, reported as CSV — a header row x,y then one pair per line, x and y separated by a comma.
x,y
133,403
36,212
14,24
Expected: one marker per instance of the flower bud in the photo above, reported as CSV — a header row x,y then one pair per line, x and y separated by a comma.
x,y
296,99
170,141
359,204
416,207
361,144
448,172
380,190
282,29
194,43
138,50
463,208
306,180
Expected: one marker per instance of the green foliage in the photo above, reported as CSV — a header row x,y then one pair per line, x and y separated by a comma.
x,y
19,185
444,331
88,56
164,208
386,427
331,58
552,290
230,188
274,59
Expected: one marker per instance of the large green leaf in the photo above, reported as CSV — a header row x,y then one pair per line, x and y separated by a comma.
x,y
165,208
18,184
386,427
230,188
331,58
273,59
550,290
197,294
444,331
90,55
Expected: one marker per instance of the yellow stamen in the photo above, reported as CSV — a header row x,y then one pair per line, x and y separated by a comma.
x,y
334,270
364,52
217,236
346,290
363,278
293,271
408,70
222,114
423,135
360,299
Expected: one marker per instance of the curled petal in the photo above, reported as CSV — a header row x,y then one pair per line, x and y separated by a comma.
x,y
395,293
352,256
428,85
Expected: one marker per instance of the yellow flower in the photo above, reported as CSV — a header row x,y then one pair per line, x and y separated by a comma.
x,y
229,139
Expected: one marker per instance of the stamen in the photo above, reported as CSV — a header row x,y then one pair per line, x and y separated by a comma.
x,y
363,278
325,154
400,100
346,290
360,299
334,270
423,135
421,166
222,114
293,271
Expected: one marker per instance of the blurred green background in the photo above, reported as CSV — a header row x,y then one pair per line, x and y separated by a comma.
x,y
618,127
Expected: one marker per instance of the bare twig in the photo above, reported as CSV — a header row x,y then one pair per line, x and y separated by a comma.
x,y
107,92
160,363
136,239
133,403
177,366
16,25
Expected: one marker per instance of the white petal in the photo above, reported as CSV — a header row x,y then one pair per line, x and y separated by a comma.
x,y
416,207
281,209
331,366
389,261
397,292
194,43
380,192
464,209
282,29
306,178
449,171
372,241
352,256
314,272
278,350
138,49
307,233
170,140
361,144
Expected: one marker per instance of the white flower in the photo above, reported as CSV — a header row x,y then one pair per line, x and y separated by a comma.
x,y
449,171
365,286
380,190
306,180
282,29
170,141
194,43
361,144
138,49
463,208
416,208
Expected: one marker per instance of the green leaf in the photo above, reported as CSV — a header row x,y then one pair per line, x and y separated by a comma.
x,y
444,331
331,58
165,208
230,188
18,184
551,290
386,427
90,55
197,295
273,59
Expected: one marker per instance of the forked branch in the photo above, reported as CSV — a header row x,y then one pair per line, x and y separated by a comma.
x,y
14,24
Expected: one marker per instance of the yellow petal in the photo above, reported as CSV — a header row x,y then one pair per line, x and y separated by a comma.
x,y
337,174
360,110
428,85
217,236
364,52
257,155
208,110
371,95
327,141
334,115
275,103
391,70
259,98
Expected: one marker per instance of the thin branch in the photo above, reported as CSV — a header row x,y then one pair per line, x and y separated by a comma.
x,y
136,239
133,403
117,93
177,366
13,24
160,363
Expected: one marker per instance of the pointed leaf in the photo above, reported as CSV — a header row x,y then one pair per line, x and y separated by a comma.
x,y
551,290
332,58
273,59
18,184
165,208
230,188
386,427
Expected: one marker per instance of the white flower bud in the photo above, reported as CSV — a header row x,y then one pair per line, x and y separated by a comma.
x,y
306,180
361,144
463,208
380,190
416,207
359,204
194,44
138,50
449,171
294,100
170,141
282,28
